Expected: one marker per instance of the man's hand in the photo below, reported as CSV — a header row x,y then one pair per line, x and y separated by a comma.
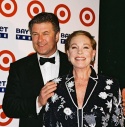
x,y
123,100
46,92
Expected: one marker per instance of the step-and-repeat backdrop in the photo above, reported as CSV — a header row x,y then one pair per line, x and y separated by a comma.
x,y
15,40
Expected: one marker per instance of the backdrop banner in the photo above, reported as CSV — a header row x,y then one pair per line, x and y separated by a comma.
x,y
15,39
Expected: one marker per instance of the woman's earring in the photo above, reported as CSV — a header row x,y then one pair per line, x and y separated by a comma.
x,y
92,59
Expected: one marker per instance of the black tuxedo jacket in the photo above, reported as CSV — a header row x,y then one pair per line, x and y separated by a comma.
x,y
23,86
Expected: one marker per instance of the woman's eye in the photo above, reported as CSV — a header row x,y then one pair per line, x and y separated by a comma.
x,y
86,47
74,47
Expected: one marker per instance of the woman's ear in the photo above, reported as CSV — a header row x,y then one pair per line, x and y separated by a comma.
x,y
67,52
94,53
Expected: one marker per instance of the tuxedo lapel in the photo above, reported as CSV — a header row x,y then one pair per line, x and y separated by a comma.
x,y
92,83
70,85
89,91
35,73
64,64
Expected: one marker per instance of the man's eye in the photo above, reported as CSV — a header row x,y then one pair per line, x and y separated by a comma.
x,y
34,34
46,34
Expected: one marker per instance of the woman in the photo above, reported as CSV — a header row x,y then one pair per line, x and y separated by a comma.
x,y
83,98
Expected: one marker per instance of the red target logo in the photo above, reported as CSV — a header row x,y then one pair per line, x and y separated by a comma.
x,y
63,13
87,16
6,57
31,53
34,8
8,8
4,120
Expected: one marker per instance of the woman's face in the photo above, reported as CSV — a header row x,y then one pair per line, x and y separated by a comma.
x,y
80,51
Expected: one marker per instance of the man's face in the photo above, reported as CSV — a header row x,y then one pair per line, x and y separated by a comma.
x,y
44,38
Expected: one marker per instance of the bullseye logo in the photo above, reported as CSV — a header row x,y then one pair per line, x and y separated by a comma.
x,y
31,53
8,8
6,57
87,17
34,8
63,13
4,120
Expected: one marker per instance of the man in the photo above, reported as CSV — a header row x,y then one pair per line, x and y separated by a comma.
x,y
26,93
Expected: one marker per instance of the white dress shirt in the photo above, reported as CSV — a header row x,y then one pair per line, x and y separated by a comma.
x,y
49,71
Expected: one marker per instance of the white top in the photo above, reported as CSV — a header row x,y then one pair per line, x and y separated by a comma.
x,y
49,70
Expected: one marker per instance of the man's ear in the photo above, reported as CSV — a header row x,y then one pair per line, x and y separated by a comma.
x,y
57,36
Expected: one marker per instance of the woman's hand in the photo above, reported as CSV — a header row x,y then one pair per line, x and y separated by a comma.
x,y
46,92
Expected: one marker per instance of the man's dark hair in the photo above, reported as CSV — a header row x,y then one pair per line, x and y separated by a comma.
x,y
45,17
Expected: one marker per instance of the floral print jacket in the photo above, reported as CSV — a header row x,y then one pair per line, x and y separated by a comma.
x,y
101,108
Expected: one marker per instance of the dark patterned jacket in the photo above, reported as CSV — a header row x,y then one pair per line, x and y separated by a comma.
x,y
101,107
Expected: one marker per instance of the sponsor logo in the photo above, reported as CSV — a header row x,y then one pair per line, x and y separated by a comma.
x,y
22,34
35,7
4,120
2,86
8,8
63,13
87,16
64,37
3,32
6,57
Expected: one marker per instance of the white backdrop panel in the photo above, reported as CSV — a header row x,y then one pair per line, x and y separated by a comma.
x,y
15,38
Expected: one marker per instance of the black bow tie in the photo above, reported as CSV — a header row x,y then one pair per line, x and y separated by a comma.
x,y
44,60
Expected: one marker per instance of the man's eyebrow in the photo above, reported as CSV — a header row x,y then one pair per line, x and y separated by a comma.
x,y
46,32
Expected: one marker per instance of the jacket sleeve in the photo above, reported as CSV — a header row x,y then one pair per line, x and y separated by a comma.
x,y
49,119
14,104
117,119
